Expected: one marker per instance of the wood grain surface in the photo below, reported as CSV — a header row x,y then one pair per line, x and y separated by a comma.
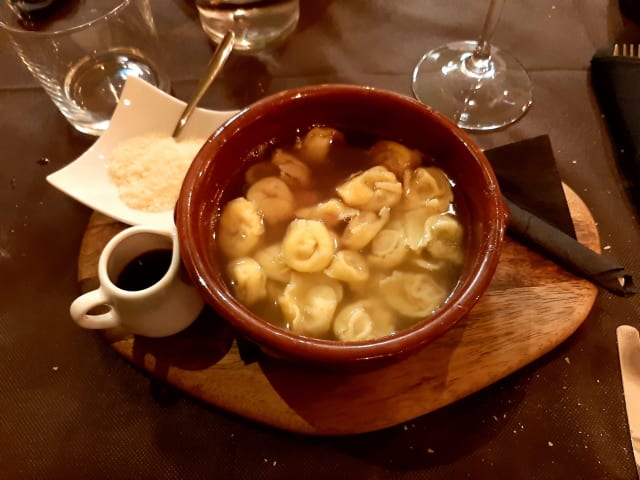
x,y
531,306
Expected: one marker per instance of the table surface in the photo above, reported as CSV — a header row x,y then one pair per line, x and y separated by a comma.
x,y
71,407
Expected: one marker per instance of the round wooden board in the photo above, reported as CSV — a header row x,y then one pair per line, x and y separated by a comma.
x,y
531,306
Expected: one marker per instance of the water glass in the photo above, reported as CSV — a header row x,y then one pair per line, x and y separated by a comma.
x,y
83,52
257,24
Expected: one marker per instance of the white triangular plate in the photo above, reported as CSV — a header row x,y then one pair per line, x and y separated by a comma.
x,y
142,109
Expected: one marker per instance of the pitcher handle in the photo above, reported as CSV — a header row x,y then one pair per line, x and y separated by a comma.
x,y
84,303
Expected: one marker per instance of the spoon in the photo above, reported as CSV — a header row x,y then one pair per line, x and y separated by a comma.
x,y
216,63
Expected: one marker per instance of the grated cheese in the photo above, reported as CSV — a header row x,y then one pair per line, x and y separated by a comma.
x,y
148,170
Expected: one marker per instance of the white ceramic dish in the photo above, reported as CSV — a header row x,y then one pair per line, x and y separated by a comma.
x,y
142,109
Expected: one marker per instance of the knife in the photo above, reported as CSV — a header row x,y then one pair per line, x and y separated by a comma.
x,y
629,352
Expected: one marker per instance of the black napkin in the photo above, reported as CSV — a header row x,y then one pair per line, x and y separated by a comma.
x,y
543,222
616,83
524,170
630,9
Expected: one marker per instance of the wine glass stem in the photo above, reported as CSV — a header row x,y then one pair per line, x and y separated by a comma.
x,y
480,61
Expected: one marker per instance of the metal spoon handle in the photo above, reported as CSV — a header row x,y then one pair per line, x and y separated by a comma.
x,y
216,63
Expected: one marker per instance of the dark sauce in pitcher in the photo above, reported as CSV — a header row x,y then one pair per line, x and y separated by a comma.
x,y
145,270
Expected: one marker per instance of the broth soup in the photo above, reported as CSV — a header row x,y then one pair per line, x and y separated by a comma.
x,y
342,237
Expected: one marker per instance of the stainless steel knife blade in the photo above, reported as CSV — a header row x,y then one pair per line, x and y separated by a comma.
x,y
629,353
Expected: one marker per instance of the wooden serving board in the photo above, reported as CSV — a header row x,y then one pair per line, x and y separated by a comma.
x,y
531,306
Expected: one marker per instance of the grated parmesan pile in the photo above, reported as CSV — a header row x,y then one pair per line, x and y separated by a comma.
x,y
149,170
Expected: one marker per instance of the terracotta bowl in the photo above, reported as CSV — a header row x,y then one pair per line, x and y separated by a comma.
x,y
216,176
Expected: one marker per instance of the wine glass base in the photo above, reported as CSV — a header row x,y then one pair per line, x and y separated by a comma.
x,y
481,101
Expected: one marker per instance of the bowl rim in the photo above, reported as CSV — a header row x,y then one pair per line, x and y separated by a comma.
x,y
315,350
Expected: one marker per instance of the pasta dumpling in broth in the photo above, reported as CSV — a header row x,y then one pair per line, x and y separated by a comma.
x,y
362,228
415,295
388,248
427,187
309,302
240,229
372,189
293,172
363,320
348,266
271,259
434,266
273,198
316,144
395,156
260,170
444,237
331,212
248,280
414,223
308,246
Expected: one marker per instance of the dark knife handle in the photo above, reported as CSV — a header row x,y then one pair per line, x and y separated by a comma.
x,y
567,252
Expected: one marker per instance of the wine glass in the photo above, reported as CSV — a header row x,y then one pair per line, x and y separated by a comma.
x,y
472,82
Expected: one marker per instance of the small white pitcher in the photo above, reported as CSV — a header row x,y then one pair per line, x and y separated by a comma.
x,y
166,306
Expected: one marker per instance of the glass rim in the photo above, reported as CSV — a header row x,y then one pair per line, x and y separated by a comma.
x,y
63,31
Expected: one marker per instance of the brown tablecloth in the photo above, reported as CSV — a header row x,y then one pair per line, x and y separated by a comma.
x,y
70,407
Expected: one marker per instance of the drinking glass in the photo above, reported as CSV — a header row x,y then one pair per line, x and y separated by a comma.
x,y
474,83
256,24
83,52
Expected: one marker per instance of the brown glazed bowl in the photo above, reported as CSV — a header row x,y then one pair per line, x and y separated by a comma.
x,y
217,173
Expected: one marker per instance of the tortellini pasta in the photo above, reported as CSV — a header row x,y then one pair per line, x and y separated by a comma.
x,y
415,295
438,231
388,249
429,264
273,199
308,246
260,170
395,156
372,189
331,212
427,188
317,143
414,223
348,266
248,280
363,320
292,171
309,303
363,227
272,261
240,229
443,238
349,245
